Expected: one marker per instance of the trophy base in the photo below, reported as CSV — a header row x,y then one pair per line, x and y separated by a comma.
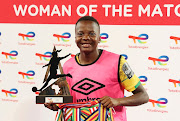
x,y
41,99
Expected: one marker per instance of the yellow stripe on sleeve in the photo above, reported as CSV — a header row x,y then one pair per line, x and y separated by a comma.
x,y
128,79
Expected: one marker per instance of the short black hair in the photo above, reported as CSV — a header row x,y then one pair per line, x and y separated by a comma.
x,y
87,18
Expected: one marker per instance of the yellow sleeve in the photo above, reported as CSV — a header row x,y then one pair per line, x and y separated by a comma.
x,y
128,79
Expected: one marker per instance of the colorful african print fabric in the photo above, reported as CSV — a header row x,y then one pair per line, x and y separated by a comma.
x,y
90,111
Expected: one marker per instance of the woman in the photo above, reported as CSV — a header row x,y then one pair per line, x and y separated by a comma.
x,y
99,74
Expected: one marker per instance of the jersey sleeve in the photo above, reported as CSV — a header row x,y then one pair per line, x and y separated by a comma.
x,y
128,79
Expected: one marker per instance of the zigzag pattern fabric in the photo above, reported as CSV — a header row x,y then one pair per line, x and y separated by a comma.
x,y
93,112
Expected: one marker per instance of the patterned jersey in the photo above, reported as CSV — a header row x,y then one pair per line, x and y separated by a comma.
x,y
109,75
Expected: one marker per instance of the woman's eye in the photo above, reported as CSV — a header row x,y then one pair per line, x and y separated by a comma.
x,y
92,34
79,34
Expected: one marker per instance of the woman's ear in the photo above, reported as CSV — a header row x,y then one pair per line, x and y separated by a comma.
x,y
99,39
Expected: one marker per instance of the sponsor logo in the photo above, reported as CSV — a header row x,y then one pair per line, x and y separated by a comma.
x,y
161,102
125,56
174,82
46,56
175,87
12,55
159,106
127,70
141,38
175,39
86,86
29,74
104,37
29,36
143,79
63,37
12,92
161,60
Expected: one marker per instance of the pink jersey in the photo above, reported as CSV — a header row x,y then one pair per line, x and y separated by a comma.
x,y
96,80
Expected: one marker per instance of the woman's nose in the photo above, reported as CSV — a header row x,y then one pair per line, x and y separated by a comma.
x,y
86,37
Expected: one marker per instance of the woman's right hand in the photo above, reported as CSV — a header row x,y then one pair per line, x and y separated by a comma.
x,y
51,106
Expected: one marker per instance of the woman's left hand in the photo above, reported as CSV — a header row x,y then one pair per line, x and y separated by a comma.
x,y
108,102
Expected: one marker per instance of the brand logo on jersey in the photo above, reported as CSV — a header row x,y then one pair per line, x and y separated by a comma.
x,y
87,86
141,38
127,70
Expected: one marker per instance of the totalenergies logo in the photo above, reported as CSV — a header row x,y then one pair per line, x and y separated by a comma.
x,y
125,56
49,99
11,93
12,54
175,82
143,79
29,36
29,74
175,39
46,56
160,102
161,60
104,36
141,38
63,37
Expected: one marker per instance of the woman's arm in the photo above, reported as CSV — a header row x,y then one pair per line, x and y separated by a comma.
x,y
139,97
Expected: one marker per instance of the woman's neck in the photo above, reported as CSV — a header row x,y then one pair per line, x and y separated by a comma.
x,y
88,58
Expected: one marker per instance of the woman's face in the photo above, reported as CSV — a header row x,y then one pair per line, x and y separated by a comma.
x,y
87,35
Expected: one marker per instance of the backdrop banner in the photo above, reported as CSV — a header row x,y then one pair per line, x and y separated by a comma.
x,y
146,33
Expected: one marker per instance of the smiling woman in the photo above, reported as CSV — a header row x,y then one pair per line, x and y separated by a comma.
x,y
34,10
99,74
87,38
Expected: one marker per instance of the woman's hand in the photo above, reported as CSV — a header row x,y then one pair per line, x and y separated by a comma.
x,y
51,106
108,102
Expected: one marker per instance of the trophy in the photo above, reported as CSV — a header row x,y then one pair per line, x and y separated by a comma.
x,y
48,94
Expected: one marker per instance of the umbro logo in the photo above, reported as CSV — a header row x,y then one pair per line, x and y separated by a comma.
x,y
87,86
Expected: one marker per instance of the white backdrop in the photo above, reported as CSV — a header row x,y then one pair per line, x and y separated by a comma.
x,y
21,106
